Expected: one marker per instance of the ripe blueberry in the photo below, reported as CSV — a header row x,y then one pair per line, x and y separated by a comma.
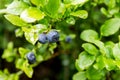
x,y
31,57
53,36
68,39
42,38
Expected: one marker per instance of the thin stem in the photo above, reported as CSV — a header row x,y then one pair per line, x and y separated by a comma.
x,y
19,73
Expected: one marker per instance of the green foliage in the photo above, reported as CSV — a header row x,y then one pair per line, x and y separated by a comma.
x,y
15,20
110,27
116,52
92,74
5,75
10,53
92,25
84,61
91,49
52,7
80,13
16,7
31,15
79,75
89,35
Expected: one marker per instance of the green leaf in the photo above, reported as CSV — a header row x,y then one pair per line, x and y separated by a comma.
x,y
76,2
111,3
27,69
6,71
18,32
15,20
89,35
31,35
109,49
31,15
117,63
110,27
116,52
52,7
104,11
27,1
99,63
90,48
109,44
67,1
23,52
62,9
39,2
16,7
19,63
39,58
114,11
79,76
4,74
119,38
52,47
109,52
80,13
13,77
70,21
93,74
109,64
38,28
84,61
101,46
9,53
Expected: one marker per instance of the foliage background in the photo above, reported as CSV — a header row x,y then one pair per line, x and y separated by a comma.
x,y
66,60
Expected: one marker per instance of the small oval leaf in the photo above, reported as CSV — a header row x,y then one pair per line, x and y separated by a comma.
x,y
31,15
89,35
90,48
79,76
80,13
15,20
110,27
16,7
85,60
116,52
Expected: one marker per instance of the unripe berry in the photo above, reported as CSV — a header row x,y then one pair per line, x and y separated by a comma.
x,y
68,39
53,36
31,57
42,38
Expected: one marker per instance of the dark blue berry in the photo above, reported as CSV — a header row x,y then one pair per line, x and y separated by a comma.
x,y
53,36
42,38
31,57
68,39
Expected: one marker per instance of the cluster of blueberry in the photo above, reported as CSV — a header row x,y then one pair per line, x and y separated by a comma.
x,y
52,36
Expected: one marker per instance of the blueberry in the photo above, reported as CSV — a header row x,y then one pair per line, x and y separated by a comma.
x,y
68,39
31,57
42,38
53,36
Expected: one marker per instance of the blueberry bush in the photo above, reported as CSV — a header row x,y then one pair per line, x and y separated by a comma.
x,y
81,36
